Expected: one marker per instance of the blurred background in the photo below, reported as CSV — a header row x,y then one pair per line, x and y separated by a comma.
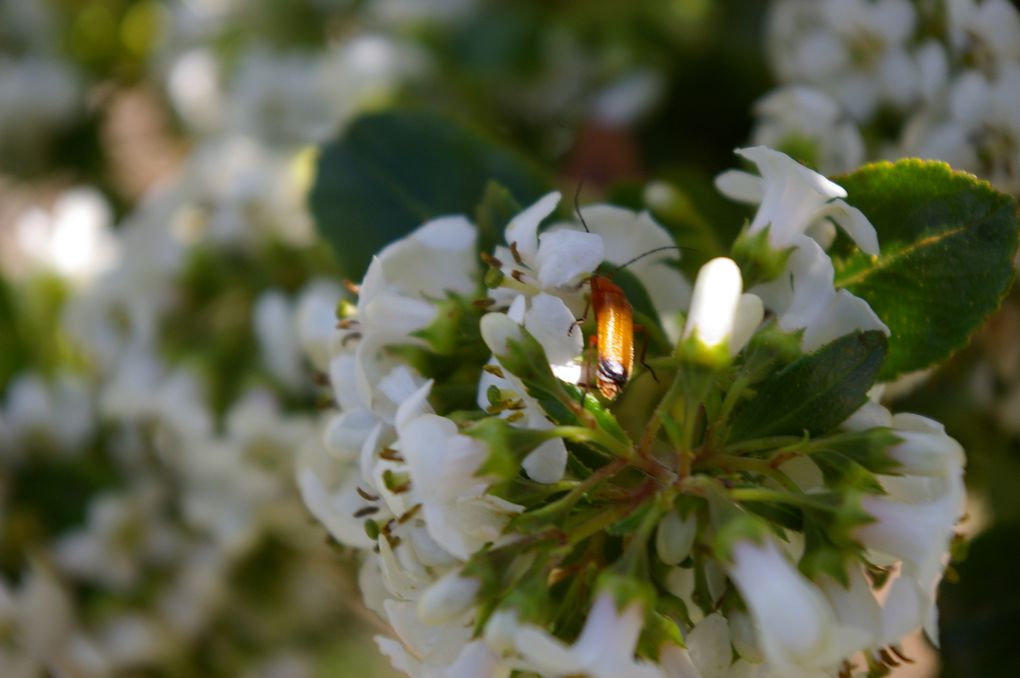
x,y
163,289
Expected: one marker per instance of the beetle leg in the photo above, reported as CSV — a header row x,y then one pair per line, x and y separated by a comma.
x,y
578,321
588,368
644,351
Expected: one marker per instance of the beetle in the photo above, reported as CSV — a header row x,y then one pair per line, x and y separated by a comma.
x,y
614,326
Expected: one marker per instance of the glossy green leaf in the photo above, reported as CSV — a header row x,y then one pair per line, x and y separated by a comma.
x,y
394,170
948,241
815,392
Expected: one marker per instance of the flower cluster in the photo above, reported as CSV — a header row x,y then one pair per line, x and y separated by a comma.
x,y
683,523
868,80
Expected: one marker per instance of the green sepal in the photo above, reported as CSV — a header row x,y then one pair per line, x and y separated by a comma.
x,y
658,630
869,448
626,590
452,355
842,472
455,330
508,445
829,521
816,392
759,262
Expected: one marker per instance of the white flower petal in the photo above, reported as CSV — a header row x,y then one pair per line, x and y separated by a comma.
x,y
741,186
553,324
547,462
565,256
523,228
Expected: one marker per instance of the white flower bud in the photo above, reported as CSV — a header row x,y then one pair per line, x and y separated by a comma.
x,y
674,538
744,637
497,329
750,311
926,449
447,599
709,645
500,630
715,301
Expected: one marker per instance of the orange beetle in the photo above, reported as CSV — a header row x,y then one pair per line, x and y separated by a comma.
x,y
614,325
614,335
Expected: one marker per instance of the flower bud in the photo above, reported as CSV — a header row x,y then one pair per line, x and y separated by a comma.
x,y
926,450
450,597
750,311
715,301
674,538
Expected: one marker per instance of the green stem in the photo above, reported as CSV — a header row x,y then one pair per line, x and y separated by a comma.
x,y
567,501
732,395
760,444
583,434
776,496
759,466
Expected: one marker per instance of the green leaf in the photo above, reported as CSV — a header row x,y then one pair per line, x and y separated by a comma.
x,y
815,392
948,242
394,170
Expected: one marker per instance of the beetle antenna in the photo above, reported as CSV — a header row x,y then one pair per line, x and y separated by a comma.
x,y
577,204
652,251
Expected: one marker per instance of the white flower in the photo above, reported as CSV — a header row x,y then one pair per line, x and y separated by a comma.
x,y
195,88
627,235
604,649
793,199
855,50
458,512
474,661
989,28
553,325
798,630
803,297
448,599
793,114
796,202
329,489
315,320
75,239
977,127
273,322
